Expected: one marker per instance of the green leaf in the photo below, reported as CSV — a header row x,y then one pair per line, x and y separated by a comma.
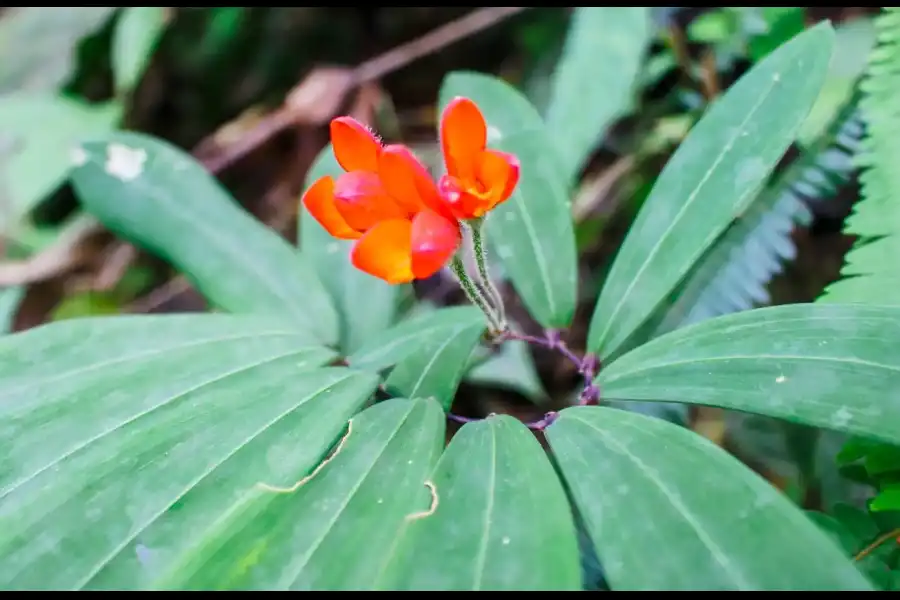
x,y
709,182
715,26
509,366
85,352
159,495
594,80
435,370
837,530
782,23
532,232
827,365
134,40
134,451
40,44
854,39
37,135
366,305
733,273
883,459
413,335
887,499
338,529
857,522
500,520
159,197
669,510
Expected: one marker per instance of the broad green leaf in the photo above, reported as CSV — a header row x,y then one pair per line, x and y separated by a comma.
x,y
532,232
709,182
337,531
414,335
435,370
37,134
366,305
594,80
39,45
159,197
854,40
157,494
734,272
107,360
131,442
828,365
509,366
134,40
669,510
500,519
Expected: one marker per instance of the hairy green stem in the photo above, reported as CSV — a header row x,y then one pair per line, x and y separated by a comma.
x,y
485,278
472,293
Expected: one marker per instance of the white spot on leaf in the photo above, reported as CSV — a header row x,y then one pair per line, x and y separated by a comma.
x,y
125,163
841,418
79,156
780,379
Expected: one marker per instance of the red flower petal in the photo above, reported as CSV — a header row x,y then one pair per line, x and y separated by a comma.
x,y
407,180
385,252
499,174
434,241
463,136
360,198
355,147
319,202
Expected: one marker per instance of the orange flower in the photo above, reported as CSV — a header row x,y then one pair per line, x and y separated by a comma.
x,y
387,201
477,179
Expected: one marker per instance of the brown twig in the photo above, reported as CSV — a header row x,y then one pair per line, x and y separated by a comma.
x,y
709,75
164,293
596,191
368,71
118,259
65,254
433,41
878,542
678,43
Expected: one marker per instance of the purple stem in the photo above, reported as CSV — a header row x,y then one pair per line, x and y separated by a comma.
x,y
587,368
461,419
540,425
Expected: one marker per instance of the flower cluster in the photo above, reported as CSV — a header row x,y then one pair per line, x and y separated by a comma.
x,y
407,226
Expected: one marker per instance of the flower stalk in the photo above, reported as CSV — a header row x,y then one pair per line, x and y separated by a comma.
x,y
474,294
480,251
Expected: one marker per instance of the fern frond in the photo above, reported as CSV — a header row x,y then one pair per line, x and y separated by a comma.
x,y
734,273
871,271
